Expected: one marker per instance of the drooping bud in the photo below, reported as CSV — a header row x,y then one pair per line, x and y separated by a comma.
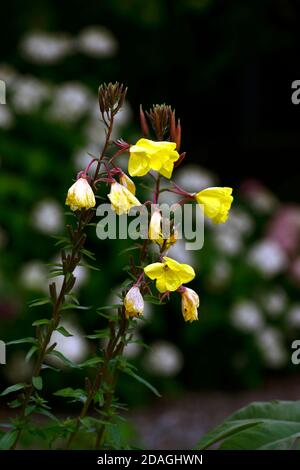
x,y
80,195
189,304
134,303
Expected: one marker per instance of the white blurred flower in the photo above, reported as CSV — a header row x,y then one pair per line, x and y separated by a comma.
x,y
179,252
74,348
193,178
163,358
6,117
220,274
124,116
246,316
47,216
71,101
270,343
240,221
227,240
98,42
258,196
133,349
81,274
267,257
293,316
29,93
94,132
34,275
275,301
46,48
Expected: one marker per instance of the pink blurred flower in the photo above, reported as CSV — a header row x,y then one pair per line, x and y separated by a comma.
x,y
284,228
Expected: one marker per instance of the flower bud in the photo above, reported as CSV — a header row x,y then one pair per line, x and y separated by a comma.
x,y
189,304
122,200
80,195
134,303
127,183
155,226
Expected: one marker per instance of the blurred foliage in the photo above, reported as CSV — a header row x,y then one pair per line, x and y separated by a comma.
x,y
197,55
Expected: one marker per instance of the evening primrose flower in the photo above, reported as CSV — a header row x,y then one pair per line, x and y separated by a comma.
x,y
80,195
169,274
134,303
189,304
148,155
216,202
127,183
122,199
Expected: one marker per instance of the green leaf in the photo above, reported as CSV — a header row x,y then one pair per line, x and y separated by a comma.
x,y
142,381
30,353
38,302
99,334
127,250
91,362
63,358
259,426
8,440
23,340
12,388
63,331
74,307
42,321
37,382
77,394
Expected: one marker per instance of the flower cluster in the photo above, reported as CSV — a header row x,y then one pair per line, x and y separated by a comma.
x,y
157,158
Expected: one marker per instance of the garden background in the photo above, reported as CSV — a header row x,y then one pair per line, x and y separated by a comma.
x,y
227,68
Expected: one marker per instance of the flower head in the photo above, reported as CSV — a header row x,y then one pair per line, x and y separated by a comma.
x,y
127,183
169,274
148,155
122,199
80,195
216,202
134,303
189,304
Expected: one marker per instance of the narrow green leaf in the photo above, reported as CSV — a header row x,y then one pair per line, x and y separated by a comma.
x,y
142,381
63,331
38,302
23,340
37,382
8,439
42,321
30,353
12,389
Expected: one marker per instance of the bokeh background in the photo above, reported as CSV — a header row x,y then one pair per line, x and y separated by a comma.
x,y
227,68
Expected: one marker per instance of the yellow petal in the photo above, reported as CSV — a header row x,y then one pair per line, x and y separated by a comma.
x,y
154,270
216,202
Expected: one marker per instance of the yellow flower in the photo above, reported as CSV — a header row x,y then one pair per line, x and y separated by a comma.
x,y
134,303
80,195
122,199
127,182
189,304
216,202
148,155
169,274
